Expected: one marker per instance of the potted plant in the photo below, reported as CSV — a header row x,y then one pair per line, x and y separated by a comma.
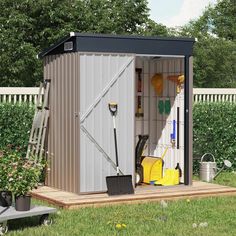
x,y
5,194
23,176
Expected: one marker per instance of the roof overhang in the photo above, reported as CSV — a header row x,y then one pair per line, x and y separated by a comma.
x,y
122,44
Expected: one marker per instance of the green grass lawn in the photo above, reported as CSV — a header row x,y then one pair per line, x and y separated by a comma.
x,y
143,219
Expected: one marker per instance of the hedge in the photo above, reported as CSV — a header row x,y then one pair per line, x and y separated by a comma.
x,y
15,125
214,129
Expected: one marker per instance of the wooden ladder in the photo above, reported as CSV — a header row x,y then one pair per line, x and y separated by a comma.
x,y
36,144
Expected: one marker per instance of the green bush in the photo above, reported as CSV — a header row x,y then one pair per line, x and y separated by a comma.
x,y
15,125
214,131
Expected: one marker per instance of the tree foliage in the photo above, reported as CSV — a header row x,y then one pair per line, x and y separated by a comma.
x,y
28,26
215,51
223,19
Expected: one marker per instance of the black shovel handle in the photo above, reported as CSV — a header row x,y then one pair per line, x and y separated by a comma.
x,y
113,107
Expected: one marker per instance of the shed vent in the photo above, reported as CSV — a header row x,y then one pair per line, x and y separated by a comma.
x,y
68,46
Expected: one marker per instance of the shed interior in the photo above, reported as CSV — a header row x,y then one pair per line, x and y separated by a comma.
x,y
159,113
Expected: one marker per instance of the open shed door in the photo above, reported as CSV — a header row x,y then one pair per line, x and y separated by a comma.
x,y
105,78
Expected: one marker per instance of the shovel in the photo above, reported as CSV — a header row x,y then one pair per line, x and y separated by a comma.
x,y
119,184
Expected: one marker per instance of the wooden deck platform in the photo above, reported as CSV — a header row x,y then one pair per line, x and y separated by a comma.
x,y
142,194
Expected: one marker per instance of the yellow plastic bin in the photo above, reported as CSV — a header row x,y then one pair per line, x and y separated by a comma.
x,y
171,177
152,169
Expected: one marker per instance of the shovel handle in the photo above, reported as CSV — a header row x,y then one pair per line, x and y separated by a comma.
x,y
113,107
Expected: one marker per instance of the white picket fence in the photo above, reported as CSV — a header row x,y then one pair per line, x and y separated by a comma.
x,y
19,94
214,94
29,94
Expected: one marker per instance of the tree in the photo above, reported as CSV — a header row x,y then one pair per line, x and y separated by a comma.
x,y
151,28
22,38
28,27
223,19
214,63
215,51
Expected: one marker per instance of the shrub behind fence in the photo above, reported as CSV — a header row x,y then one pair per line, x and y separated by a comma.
x,y
214,123
15,125
214,126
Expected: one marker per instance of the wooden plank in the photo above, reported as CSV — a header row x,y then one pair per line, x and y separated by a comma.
x,y
67,197
49,200
169,198
148,200
145,197
136,197
62,194
146,188
144,193
118,200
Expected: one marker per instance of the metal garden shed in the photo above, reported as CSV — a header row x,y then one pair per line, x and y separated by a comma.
x,y
139,73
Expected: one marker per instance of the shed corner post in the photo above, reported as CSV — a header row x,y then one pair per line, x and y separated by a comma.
x,y
188,121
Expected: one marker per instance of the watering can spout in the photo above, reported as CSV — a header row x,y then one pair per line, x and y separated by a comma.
x,y
227,164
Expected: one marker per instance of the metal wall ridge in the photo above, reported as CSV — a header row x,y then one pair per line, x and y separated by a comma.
x,y
63,146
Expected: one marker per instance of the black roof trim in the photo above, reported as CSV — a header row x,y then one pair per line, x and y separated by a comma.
x,y
54,46
84,42
141,37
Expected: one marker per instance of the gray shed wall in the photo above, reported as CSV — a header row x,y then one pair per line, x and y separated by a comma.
x,y
63,140
105,78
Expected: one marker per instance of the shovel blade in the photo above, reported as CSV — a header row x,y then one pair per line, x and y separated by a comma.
x,y
119,185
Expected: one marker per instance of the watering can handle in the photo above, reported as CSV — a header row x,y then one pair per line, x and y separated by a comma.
x,y
207,154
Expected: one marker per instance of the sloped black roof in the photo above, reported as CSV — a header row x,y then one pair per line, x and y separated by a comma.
x,y
122,44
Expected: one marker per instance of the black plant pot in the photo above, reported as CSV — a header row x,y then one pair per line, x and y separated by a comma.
x,y
22,203
5,198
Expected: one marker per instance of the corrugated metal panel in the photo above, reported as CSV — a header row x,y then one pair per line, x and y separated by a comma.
x,y
105,78
63,70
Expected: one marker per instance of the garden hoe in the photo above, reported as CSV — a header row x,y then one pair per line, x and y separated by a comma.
x,y
119,184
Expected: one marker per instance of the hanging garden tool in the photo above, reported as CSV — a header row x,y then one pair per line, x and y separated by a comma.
x,y
177,127
167,106
173,135
179,80
161,107
167,101
164,107
139,112
119,184
157,83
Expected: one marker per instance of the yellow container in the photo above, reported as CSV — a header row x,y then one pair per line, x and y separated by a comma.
x,y
152,169
157,83
171,177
